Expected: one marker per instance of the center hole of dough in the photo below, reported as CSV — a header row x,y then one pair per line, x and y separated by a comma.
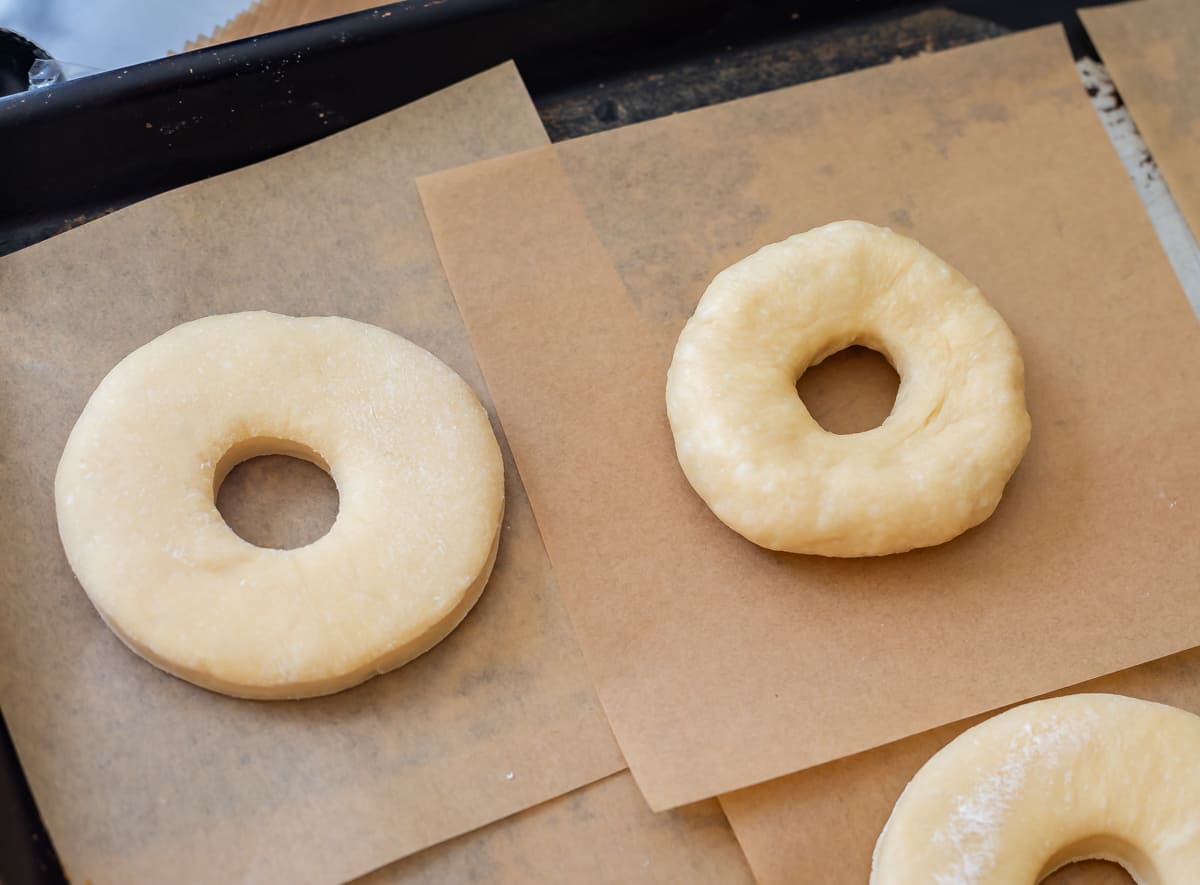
x,y
1078,862
1098,871
850,391
276,500
1092,871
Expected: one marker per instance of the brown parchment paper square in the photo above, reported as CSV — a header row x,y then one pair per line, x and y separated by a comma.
x,y
1149,48
820,825
601,834
720,664
142,777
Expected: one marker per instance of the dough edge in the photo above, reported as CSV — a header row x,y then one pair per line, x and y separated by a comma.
x,y
739,507
1103,846
294,691
413,640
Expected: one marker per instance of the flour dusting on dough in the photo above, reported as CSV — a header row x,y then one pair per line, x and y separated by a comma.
x,y
974,828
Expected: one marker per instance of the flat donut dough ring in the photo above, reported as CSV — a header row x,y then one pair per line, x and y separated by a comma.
x,y
935,467
421,495
1080,777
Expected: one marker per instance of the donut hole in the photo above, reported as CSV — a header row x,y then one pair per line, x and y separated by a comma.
x,y
850,391
276,493
1102,860
1091,872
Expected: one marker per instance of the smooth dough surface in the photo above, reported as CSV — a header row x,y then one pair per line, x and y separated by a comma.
x,y
1086,776
935,467
420,482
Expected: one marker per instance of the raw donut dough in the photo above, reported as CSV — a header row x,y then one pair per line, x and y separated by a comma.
x,y
1086,776
751,450
420,482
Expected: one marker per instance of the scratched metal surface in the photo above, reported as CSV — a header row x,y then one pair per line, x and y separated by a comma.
x,y
717,50
766,61
1173,232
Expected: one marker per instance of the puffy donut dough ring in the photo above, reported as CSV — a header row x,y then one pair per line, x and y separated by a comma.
x,y
768,470
421,495
1049,783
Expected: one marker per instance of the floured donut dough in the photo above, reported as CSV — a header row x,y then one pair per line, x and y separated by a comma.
x,y
419,476
1086,776
768,470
